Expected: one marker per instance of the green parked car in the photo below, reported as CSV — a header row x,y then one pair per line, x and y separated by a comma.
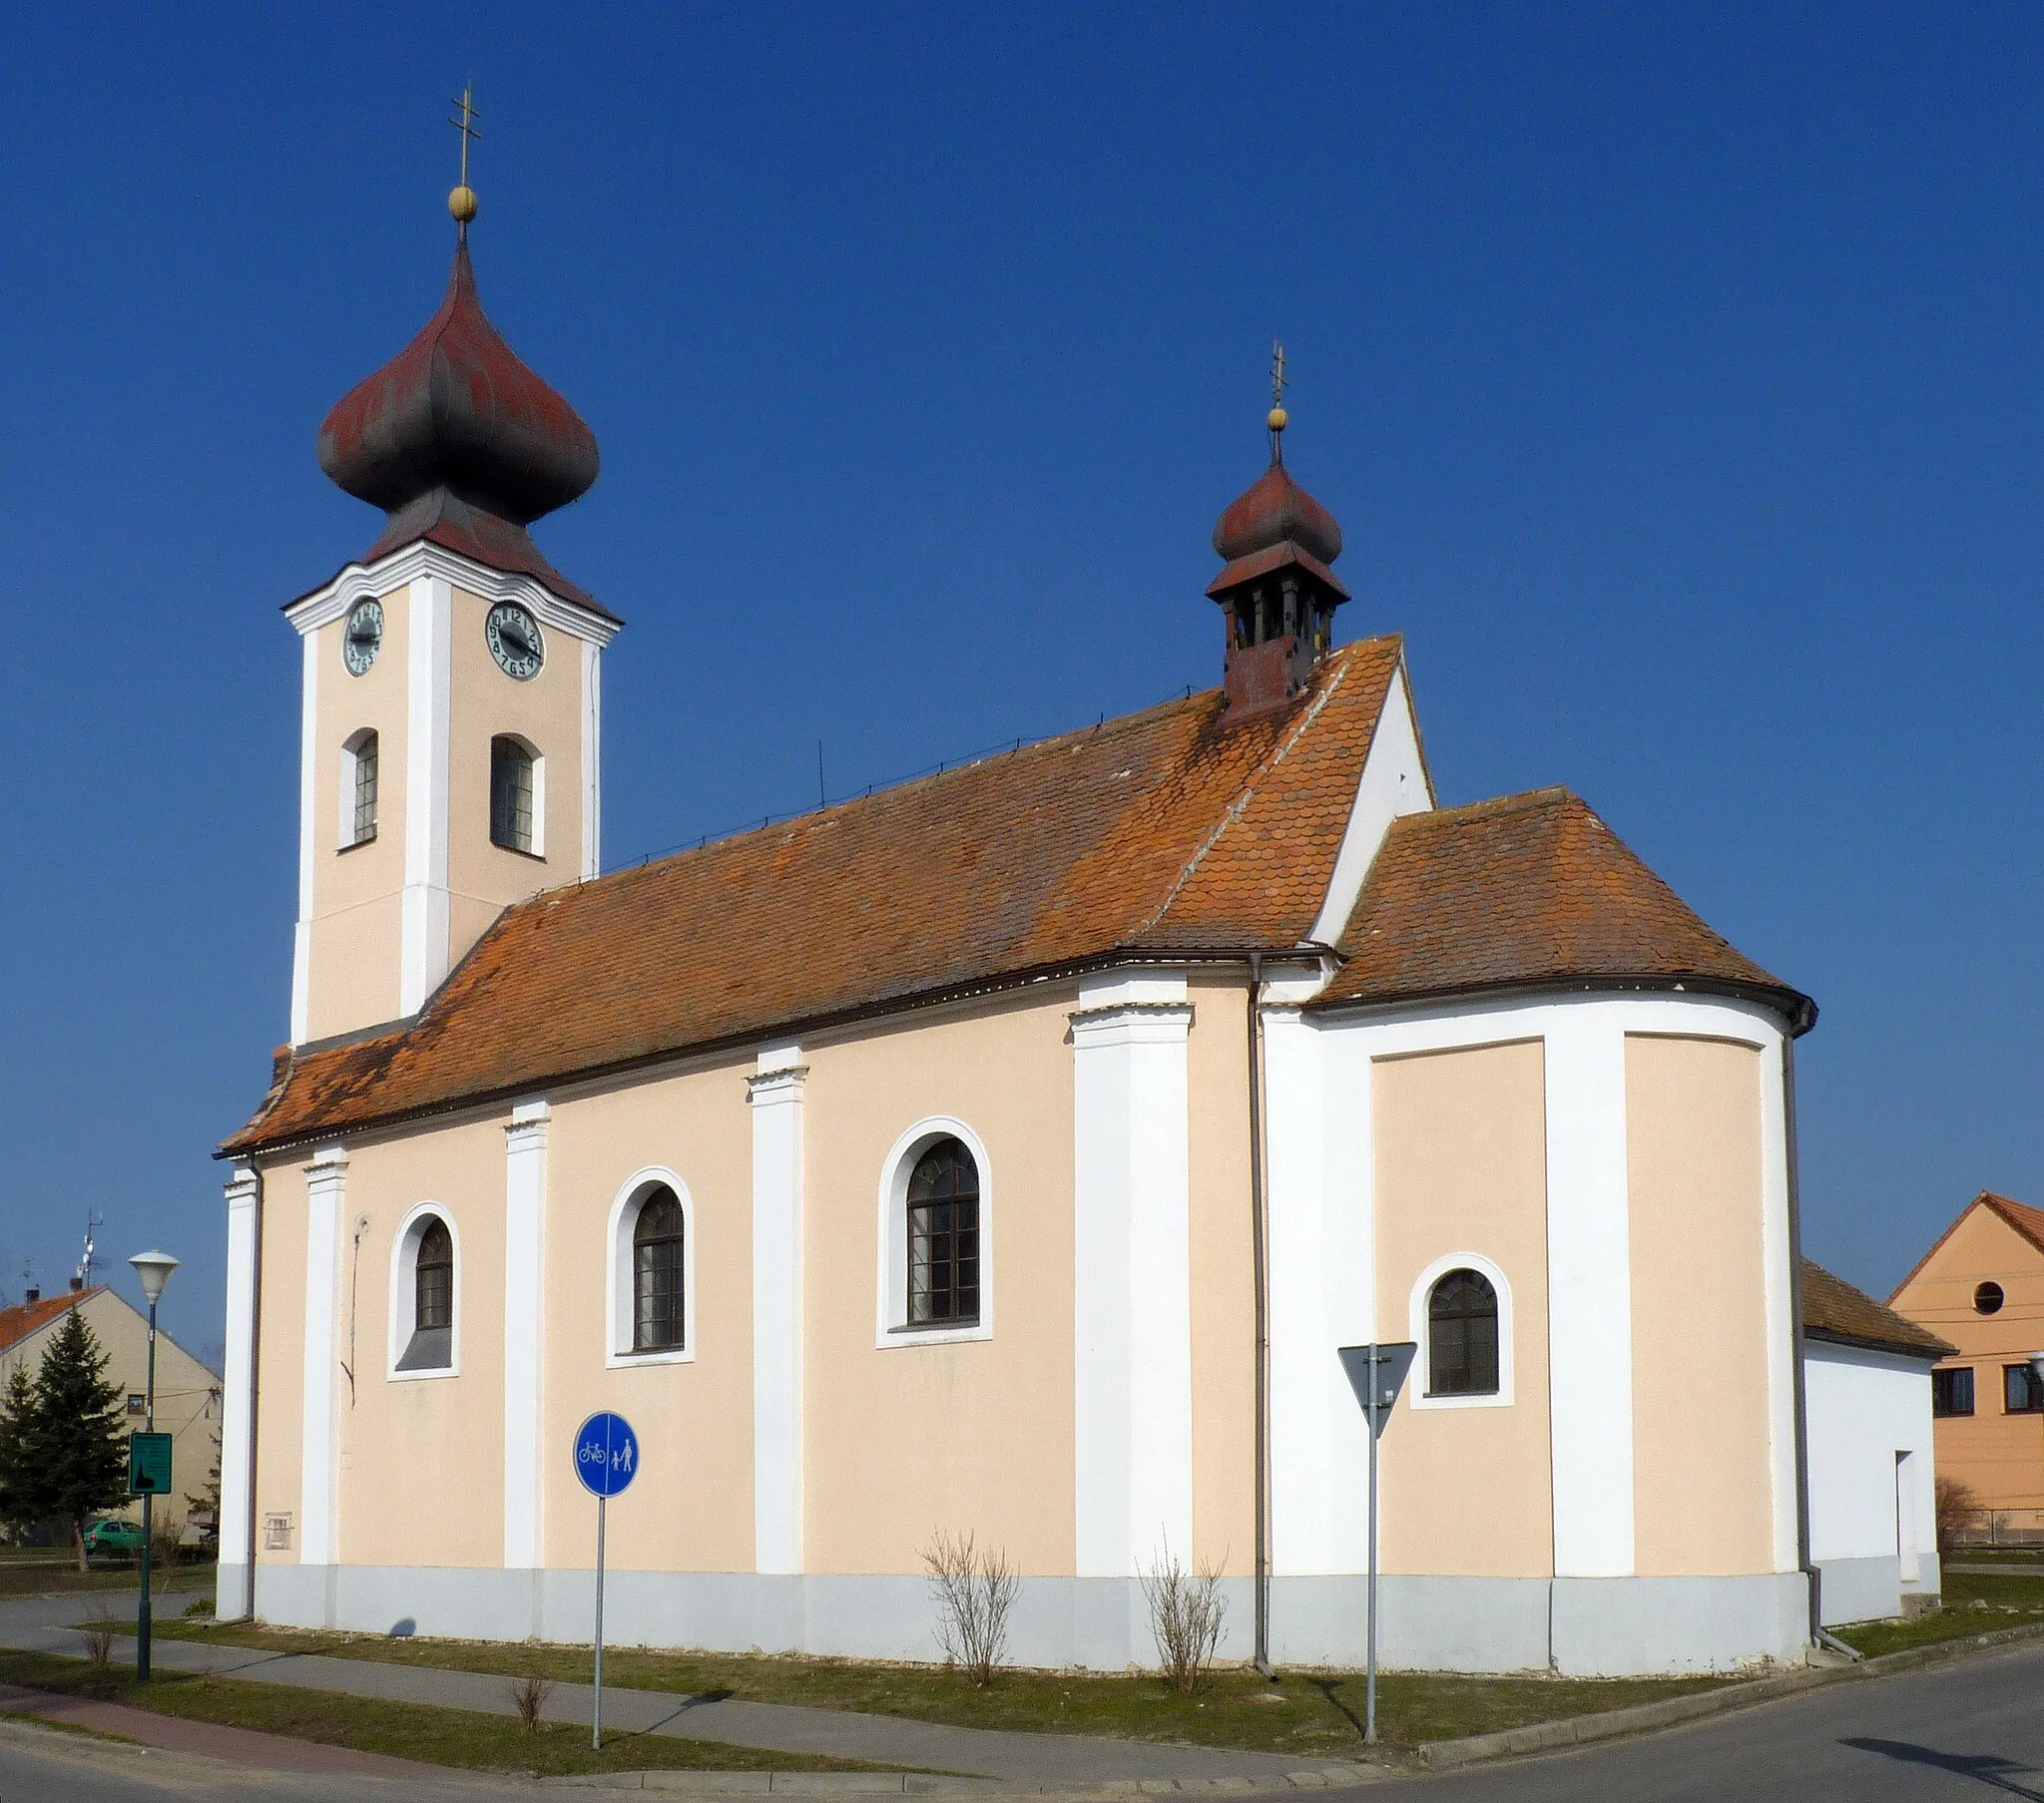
x,y
114,1534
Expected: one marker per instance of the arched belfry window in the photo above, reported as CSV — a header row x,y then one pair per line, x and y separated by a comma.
x,y
943,1236
1461,1336
358,781
514,798
658,1250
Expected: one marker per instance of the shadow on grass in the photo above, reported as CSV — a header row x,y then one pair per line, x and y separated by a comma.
x,y
1328,1687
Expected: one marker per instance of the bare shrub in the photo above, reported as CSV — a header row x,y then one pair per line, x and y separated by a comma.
x,y
974,1591
529,1697
1187,1611
98,1635
1958,1511
167,1540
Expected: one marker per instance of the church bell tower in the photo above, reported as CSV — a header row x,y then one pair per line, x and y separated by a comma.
x,y
1278,594
449,747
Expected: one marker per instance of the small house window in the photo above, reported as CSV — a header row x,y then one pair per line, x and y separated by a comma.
x,y
138,1403
1951,1392
511,795
944,1237
2022,1393
1461,1332
1987,1299
658,1249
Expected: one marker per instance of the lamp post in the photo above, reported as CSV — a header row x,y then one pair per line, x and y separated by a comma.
x,y
154,1269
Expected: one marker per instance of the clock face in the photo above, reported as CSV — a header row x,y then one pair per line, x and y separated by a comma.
x,y
364,636
515,640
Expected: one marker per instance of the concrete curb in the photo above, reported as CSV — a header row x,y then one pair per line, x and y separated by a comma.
x,y
926,1784
1580,1730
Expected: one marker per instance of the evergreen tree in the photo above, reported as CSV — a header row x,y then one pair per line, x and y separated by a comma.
x,y
79,1437
23,1502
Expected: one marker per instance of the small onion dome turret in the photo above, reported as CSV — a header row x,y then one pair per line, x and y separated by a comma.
x,y
456,410
1272,510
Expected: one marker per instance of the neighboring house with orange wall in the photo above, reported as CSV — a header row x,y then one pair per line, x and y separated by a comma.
x,y
1981,1286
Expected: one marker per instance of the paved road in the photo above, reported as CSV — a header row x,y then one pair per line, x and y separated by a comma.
x,y
1968,1733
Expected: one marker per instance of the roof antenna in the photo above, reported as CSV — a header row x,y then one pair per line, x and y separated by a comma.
x,y
462,203
94,1220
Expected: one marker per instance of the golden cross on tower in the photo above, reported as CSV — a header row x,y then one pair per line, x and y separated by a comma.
x,y
1277,418
462,203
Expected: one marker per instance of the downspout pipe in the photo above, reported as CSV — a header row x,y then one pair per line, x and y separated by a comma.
x,y
1260,1263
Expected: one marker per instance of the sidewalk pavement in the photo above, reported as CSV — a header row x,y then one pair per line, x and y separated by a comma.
x,y
1010,1759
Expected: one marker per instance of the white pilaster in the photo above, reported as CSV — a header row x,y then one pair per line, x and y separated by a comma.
x,y
308,801
592,760
1132,1272
325,1192
525,1213
1319,1166
1589,1292
423,959
775,1095
1775,1266
236,1595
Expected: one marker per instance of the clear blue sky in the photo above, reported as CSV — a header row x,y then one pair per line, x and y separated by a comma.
x,y
1675,375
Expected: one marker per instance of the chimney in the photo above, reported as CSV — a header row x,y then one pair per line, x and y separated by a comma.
x,y
31,1295
77,1284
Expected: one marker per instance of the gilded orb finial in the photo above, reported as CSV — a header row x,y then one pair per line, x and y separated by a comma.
x,y
462,203
1277,418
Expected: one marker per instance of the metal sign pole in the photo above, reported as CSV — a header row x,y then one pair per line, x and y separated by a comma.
x,y
1369,1705
596,1719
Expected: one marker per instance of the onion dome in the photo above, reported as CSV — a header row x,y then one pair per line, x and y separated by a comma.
x,y
458,441
1272,510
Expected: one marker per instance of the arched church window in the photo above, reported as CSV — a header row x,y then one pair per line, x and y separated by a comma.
x,y
943,1236
1461,1323
359,768
511,794
658,1249
425,1268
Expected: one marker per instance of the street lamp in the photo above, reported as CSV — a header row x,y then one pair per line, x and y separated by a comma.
x,y
153,1269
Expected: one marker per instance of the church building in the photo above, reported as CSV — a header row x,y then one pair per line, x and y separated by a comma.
x,y
1004,1154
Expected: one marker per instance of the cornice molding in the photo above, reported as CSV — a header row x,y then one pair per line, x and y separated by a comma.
x,y
361,582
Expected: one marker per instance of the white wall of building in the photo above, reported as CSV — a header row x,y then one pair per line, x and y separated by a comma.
x,y
1872,1478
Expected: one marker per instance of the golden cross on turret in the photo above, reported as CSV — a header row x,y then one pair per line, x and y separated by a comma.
x,y
1277,418
462,203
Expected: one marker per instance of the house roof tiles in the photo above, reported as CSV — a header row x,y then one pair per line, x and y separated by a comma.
x,y
25,1318
1833,1310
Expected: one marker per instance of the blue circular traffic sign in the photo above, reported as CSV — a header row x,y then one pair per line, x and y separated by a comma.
x,y
606,1454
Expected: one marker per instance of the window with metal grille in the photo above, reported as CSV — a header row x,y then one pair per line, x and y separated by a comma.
x,y
657,1253
1951,1392
434,1280
365,787
510,795
943,1236
1461,1335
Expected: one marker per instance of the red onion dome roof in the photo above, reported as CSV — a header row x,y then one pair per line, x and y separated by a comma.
x,y
1273,510
457,411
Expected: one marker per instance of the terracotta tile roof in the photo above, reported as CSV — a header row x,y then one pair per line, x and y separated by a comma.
x,y
1523,892
1833,1310
25,1318
1166,831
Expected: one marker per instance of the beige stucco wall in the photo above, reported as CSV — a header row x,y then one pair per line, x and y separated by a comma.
x,y
1999,1456
916,1438
545,710
354,976
1460,1155
402,1440
693,1420
1224,1279
281,1353
1702,1489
